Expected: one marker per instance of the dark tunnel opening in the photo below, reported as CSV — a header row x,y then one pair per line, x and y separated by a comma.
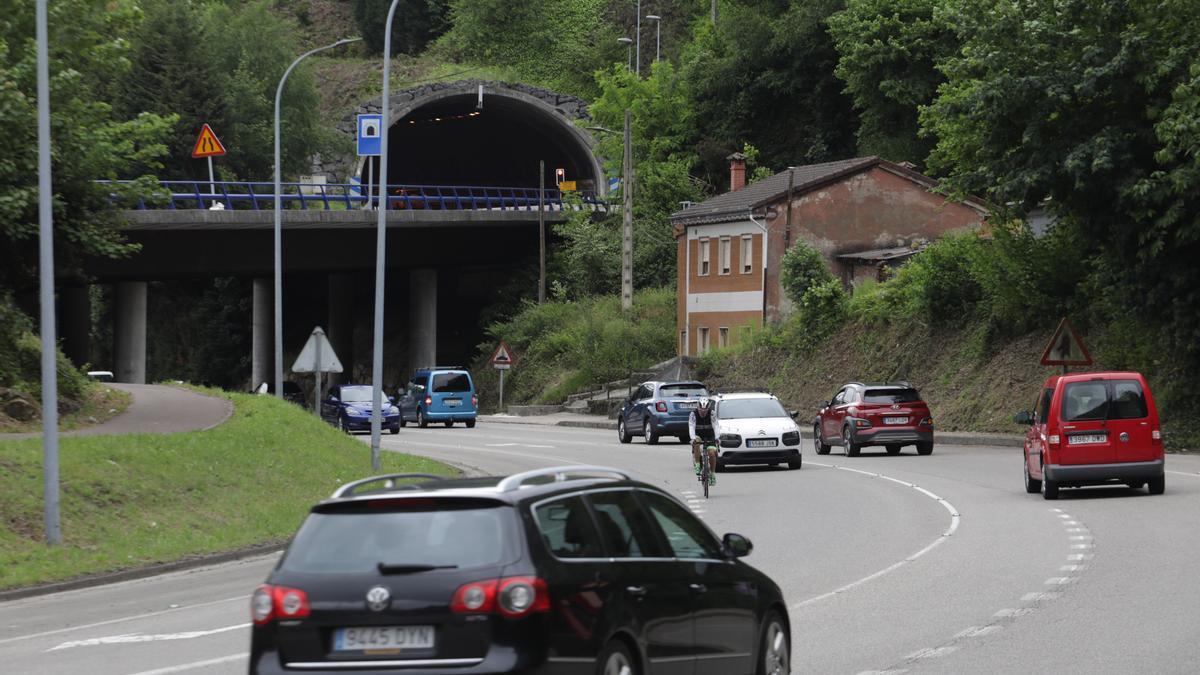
x,y
450,142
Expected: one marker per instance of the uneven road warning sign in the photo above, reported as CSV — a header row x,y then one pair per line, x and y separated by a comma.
x,y
502,358
1066,348
207,144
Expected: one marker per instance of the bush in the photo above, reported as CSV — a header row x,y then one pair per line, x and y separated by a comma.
x,y
801,268
21,360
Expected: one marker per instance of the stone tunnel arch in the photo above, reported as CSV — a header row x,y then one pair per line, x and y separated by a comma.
x,y
438,136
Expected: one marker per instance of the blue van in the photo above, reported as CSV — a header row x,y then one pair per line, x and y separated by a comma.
x,y
443,394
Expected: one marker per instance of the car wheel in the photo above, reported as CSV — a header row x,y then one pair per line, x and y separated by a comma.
x,y
794,462
1032,486
616,660
449,423
818,442
684,439
848,443
403,422
1049,487
893,449
775,657
421,421
649,434
925,448
1158,485
470,424
395,429
343,425
623,434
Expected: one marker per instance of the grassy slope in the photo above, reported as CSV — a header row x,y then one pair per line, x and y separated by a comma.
x,y
99,404
145,498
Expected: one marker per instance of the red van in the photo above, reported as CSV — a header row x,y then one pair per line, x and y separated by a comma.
x,y
1093,429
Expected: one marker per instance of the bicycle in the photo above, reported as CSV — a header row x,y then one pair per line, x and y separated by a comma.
x,y
705,467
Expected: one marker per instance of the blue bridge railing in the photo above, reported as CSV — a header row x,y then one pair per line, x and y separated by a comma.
x,y
221,195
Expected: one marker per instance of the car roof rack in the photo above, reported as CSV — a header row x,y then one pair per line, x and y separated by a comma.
x,y
559,474
441,368
388,480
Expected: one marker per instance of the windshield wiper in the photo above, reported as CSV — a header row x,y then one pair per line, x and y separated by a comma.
x,y
401,568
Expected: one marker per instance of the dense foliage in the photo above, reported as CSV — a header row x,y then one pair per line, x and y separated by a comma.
x,y
416,23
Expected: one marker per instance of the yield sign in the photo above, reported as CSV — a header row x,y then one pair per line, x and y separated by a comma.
x,y
1066,348
207,144
502,358
317,355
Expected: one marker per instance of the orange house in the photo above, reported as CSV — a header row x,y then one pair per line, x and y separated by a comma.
x,y
859,213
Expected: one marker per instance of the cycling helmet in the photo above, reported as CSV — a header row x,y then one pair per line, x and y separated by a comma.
x,y
704,403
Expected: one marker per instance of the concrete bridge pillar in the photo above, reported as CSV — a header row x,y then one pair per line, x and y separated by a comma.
x,y
75,323
422,315
129,332
341,325
262,330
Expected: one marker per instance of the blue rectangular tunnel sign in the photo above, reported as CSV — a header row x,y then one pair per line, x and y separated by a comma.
x,y
369,129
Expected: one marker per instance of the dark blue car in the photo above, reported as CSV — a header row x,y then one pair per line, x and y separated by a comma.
x,y
348,407
658,409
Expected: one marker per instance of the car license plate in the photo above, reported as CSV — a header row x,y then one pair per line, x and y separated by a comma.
x,y
685,405
762,443
452,402
382,637
1084,439
895,420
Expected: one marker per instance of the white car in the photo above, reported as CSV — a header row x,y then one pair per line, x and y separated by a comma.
x,y
753,428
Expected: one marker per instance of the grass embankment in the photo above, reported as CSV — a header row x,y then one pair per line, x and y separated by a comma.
x,y
139,499
99,404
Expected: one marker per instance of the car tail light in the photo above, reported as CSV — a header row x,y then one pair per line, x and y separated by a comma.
x,y
1156,435
511,597
862,424
1053,439
428,400
278,602
474,401
661,406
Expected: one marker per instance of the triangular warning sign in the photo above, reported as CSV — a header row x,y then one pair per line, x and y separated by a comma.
x,y
502,356
317,355
207,144
1066,348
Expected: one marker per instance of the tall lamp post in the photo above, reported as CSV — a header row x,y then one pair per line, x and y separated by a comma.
x,y
638,60
628,42
279,219
657,34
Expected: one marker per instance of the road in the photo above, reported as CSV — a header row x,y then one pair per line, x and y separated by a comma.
x,y
938,564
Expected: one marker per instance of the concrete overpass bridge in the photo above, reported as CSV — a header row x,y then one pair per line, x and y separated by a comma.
x,y
462,217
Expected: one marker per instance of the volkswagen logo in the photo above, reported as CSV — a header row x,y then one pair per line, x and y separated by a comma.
x,y
378,599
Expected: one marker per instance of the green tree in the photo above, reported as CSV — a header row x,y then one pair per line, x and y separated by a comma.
x,y
801,269
417,23
888,55
89,141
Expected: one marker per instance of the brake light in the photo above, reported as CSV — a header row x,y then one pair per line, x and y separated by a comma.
x,y
1156,435
862,424
661,406
278,602
510,597
1054,439
428,400
474,401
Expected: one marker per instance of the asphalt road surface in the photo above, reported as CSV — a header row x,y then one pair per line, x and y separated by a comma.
x,y
938,564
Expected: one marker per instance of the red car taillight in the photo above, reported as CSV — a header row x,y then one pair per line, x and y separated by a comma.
x,y
511,597
278,602
661,406
474,401
428,400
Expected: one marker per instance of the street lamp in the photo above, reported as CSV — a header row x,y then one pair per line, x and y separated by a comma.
x,y
279,219
628,42
657,34
638,61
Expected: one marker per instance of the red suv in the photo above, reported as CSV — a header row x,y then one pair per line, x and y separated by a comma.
x,y
861,414
1093,429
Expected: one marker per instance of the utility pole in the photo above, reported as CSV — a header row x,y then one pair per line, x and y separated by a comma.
x,y
541,234
714,12
787,229
637,61
627,230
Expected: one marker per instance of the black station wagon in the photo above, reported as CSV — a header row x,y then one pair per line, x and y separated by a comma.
x,y
562,570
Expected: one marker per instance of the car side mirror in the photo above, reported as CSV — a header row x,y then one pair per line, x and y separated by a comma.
x,y
392,400
1023,417
793,413
826,404
333,399
736,545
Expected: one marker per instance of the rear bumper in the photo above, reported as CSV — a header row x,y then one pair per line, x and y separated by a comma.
x,y
453,415
1082,474
500,659
670,425
758,455
892,436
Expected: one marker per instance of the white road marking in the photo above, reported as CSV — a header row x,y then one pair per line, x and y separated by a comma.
x,y
1070,568
1059,581
978,631
1185,473
1063,515
1080,556
931,653
135,617
1077,529
1079,547
195,664
1012,613
1081,537
139,637
954,521
1038,597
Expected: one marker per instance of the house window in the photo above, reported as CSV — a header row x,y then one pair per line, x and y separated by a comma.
x,y
683,342
724,253
723,336
705,255
703,346
747,254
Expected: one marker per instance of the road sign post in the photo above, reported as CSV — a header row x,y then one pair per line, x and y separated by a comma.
x,y
1066,348
369,143
208,146
502,360
317,357
50,487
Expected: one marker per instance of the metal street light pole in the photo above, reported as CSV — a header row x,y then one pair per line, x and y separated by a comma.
x,y
381,241
279,220
657,34
628,51
46,265
627,229
638,60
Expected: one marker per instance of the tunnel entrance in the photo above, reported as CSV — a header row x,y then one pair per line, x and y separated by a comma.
x,y
446,138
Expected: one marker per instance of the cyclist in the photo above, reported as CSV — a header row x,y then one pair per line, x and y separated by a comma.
x,y
703,432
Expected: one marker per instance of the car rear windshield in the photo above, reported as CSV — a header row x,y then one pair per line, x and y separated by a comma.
x,y
891,396
358,541
1103,400
449,383
356,394
683,390
744,408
